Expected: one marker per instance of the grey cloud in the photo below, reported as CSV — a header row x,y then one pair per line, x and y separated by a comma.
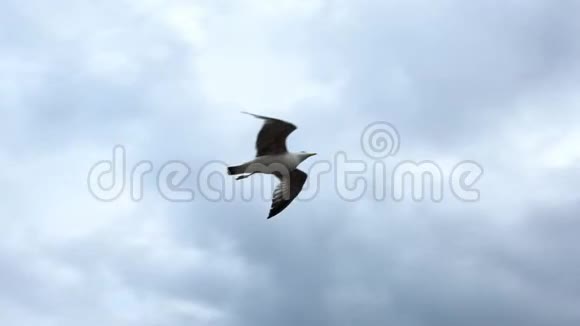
x,y
439,73
442,70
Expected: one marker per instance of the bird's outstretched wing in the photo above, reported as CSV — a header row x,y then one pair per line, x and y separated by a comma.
x,y
272,137
287,190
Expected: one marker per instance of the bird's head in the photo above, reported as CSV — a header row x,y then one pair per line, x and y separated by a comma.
x,y
304,155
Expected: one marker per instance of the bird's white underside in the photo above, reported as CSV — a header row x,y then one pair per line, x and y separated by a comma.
x,y
283,163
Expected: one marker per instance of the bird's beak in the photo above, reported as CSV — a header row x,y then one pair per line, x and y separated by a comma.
x,y
311,154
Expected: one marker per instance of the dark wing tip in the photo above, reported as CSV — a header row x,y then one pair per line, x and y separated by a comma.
x,y
274,212
263,117
255,115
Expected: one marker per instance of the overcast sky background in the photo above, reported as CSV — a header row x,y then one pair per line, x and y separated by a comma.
x,y
491,81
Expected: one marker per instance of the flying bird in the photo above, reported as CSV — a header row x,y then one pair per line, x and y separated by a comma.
x,y
272,157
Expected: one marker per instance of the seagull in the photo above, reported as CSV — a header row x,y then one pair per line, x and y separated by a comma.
x,y
272,157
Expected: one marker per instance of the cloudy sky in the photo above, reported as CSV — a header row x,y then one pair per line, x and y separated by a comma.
x,y
494,82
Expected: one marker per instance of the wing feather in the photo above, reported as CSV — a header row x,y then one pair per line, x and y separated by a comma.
x,y
286,191
271,139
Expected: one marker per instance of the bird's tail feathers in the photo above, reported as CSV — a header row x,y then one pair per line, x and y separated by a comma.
x,y
238,169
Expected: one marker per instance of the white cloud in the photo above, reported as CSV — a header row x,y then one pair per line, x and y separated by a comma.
x,y
171,74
